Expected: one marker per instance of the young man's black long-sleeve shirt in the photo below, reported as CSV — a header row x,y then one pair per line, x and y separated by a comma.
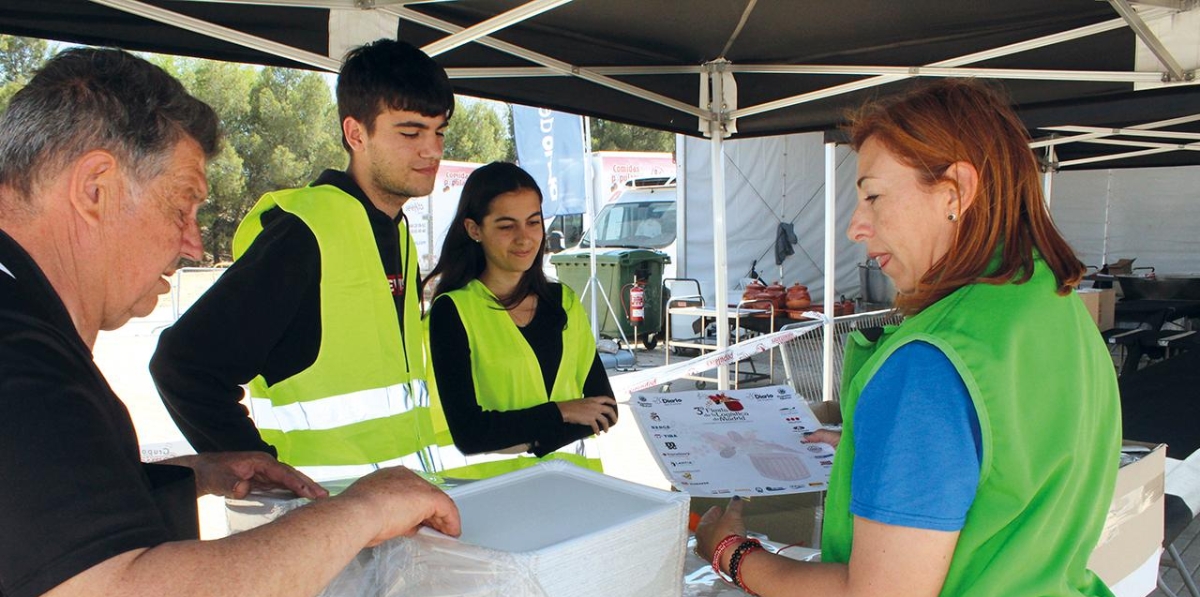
x,y
262,316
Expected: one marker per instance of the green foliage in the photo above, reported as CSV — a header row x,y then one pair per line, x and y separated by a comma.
x,y
615,136
477,133
20,57
280,128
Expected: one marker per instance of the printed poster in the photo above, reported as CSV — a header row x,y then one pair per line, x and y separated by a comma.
x,y
737,442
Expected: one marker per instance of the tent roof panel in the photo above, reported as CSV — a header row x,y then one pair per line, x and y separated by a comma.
x,y
639,33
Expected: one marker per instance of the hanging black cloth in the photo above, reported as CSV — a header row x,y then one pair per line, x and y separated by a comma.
x,y
785,237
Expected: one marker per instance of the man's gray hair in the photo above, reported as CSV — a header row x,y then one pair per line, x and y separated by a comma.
x,y
89,98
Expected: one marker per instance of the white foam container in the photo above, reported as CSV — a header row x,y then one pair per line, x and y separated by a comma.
x,y
550,530
579,533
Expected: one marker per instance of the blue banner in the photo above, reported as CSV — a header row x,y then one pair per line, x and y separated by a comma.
x,y
550,147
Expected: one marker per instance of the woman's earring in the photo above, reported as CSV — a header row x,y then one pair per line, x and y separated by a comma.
x,y
953,217
477,240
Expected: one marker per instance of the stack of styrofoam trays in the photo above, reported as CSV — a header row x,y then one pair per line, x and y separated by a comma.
x,y
570,531
552,530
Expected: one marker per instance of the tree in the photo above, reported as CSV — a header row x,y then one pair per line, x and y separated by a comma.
x,y
615,136
477,133
293,133
20,57
280,131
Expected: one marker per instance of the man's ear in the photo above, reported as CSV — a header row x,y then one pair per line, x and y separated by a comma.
x,y
355,132
965,187
95,182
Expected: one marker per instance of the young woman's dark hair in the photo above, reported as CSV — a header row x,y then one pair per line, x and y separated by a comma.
x,y
462,258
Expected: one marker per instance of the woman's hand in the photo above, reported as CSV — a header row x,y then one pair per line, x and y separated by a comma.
x,y
716,525
598,412
824,436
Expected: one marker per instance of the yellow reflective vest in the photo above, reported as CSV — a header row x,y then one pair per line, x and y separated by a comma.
x,y
507,375
364,400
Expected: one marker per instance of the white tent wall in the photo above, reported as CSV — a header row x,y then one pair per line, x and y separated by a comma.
x,y
1153,215
768,180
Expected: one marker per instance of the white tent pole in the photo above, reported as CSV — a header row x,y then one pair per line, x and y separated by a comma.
x,y
1107,213
590,209
720,258
563,68
830,261
1048,177
957,61
492,25
1114,156
1132,131
1151,41
203,27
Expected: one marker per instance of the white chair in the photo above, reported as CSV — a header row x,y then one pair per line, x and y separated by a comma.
x,y
1182,503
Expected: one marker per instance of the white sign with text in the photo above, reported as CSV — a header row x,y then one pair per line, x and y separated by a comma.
x,y
734,442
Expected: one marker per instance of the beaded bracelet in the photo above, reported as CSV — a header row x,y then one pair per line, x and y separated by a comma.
x,y
735,561
724,545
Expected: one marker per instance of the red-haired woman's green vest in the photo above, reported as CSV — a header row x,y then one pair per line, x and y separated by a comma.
x,y
364,399
1044,388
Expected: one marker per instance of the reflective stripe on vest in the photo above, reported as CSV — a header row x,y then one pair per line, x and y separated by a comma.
x,y
337,411
363,400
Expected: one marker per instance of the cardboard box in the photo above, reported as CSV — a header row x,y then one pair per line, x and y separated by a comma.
x,y
1101,303
1126,558
787,519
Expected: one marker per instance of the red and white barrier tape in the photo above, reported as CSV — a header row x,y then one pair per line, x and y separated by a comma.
x,y
628,383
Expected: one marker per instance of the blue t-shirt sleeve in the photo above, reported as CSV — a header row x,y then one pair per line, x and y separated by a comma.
x,y
916,443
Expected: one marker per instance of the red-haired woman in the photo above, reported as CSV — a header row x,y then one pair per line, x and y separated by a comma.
x,y
980,441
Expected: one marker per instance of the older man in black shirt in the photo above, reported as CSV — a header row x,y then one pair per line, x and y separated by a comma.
x,y
102,161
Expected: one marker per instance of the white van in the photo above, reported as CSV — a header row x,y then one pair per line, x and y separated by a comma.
x,y
643,217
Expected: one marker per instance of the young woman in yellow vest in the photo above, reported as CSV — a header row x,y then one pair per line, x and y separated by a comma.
x,y
980,438
514,360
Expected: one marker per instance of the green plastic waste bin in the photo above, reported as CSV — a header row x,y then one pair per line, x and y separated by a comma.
x,y
616,270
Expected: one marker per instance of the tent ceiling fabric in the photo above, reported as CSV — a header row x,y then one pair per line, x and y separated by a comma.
x,y
84,22
606,36
854,32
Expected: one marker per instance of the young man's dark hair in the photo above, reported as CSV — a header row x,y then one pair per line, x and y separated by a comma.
x,y
390,74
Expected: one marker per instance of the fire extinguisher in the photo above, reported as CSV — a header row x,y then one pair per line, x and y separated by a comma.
x,y
637,302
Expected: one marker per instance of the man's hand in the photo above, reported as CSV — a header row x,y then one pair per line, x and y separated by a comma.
x,y
402,502
597,412
235,474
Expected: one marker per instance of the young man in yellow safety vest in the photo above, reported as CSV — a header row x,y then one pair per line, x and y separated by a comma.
x,y
319,315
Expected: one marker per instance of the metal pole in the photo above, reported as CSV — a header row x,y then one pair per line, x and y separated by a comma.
x,y
1048,177
720,258
590,210
830,274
